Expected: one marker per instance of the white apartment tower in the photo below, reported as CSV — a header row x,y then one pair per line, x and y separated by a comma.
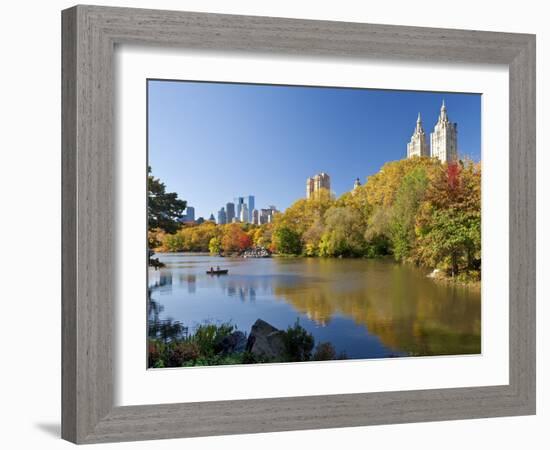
x,y
443,139
418,145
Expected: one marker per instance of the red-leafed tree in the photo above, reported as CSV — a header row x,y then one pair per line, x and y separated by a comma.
x,y
453,175
235,239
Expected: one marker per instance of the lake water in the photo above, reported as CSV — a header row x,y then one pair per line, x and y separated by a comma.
x,y
365,308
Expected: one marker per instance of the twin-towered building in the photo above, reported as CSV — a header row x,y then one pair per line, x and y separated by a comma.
x,y
443,140
442,145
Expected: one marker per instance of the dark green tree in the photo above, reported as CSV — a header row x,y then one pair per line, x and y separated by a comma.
x,y
163,208
299,343
287,241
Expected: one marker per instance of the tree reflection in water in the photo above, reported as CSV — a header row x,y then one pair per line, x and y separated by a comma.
x,y
407,312
353,300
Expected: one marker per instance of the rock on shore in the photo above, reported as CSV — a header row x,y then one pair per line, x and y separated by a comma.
x,y
256,252
265,340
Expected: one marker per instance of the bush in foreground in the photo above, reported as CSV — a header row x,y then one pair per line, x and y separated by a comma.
x,y
206,347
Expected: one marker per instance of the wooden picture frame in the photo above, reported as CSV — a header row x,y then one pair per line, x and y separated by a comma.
x,y
90,34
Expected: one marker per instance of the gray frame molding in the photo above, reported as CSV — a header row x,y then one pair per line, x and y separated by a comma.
x,y
89,36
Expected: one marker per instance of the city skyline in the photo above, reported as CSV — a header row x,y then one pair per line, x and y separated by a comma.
x,y
237,211
269,139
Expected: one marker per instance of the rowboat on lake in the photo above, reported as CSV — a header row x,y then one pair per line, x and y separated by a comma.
x,y
217,272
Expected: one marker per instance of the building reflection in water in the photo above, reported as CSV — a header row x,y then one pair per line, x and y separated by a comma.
x,y
243,289
191,280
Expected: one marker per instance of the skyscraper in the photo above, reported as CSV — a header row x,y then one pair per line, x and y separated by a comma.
x,y
243,216
230,212
250,206
239,202
266,214
222,216
444,138
418,146
256,217
189,215
316,183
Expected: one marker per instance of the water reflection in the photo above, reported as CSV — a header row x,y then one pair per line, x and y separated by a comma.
x,y
367,308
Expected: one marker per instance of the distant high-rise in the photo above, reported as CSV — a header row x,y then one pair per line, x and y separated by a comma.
x,y
189,215
230,212
443,140
222,216
212,218
243,216
256,217
239,202
418,145
266,214
356,184
250,207
316,183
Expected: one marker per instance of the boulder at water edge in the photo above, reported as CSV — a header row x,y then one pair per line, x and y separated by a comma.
x,y
265,340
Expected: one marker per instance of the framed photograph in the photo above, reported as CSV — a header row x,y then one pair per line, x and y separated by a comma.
x,y
278,224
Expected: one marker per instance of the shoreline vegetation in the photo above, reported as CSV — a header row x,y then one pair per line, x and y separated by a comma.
x,y
171,344
418,211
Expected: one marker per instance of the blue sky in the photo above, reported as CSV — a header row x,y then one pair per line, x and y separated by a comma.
x,y
211,142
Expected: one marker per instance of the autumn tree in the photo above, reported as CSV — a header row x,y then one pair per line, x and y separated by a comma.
x,y
419,209
215,246
301,215
449,221
235,239
381,188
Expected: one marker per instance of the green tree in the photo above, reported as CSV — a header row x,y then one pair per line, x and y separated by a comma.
x,y
449,221
287,241
343,233
163,208
299,342
403,216
450,240
175,243
376,234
